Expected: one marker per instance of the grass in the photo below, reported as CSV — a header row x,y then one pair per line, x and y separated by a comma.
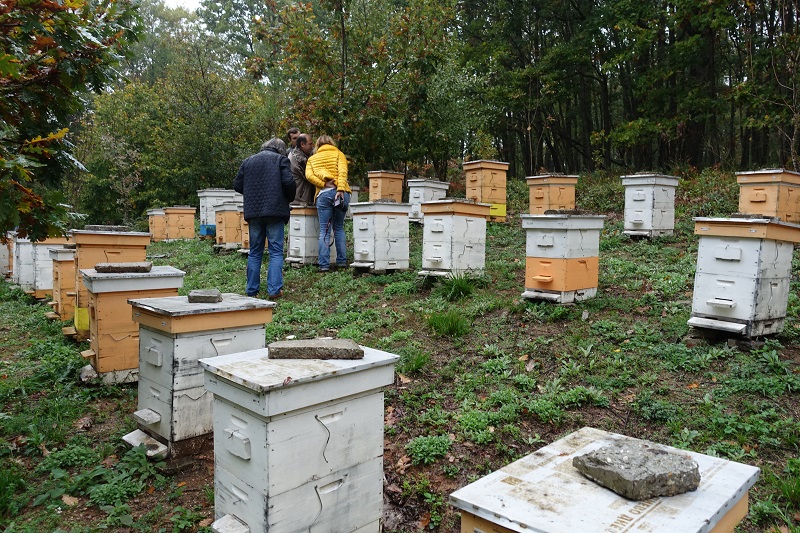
x,y
484,377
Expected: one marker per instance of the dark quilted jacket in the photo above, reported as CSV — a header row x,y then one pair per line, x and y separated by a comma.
x,y
265,179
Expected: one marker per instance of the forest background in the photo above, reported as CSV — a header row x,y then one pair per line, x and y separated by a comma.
x,y
127,106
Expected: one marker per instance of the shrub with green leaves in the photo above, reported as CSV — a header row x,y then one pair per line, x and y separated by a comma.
x,y
426,450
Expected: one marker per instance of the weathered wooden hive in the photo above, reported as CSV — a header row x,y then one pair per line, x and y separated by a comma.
x,y
174,411
33,267
298,443
562,256
179,221
551,192
771,193
454,237
6,257
209,198
744,268
486,183
113,335
229,217
649,204
157,224
385,185
420,191
380,235
544,492
101,246
63,282
304,236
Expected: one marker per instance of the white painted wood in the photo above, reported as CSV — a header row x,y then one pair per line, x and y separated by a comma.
x,y
23,270
563,297
159,277
420,190
544,493
454,243
649,204
212,197
749,298
303,238
229,524
760,258
562,243
183,414
155,449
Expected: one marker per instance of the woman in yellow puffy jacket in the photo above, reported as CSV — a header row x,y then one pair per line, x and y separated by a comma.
x,y
327,171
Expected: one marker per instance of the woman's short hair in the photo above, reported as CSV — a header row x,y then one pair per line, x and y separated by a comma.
x,y
323,139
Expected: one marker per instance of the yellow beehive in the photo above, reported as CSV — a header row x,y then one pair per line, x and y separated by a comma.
x,y
63,282
229,225
245,233
552,191
157,224
179,221
486,183
772,193
385,184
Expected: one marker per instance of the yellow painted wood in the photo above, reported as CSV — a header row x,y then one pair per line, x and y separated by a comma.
x,y
64,288
562,275
229,227
497,210
469,209
158,227
384,184
748,229
179,222
202,322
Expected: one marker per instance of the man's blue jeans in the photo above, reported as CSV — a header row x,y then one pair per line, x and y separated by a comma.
x,y
331,226
263,229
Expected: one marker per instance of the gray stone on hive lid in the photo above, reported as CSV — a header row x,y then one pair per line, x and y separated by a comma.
x,y
118,268
207,296
316,349
639,471
104,227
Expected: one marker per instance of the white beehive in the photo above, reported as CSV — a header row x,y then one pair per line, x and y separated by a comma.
x,y
543,492
355,190
298,443
173,334
454,238
22,271
744,267
649,204
420,191
209,198
43,265
562,256
304,236
11,244
380,235
5,259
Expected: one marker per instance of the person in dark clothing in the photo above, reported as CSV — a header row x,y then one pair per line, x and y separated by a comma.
x,y
265,180
297,159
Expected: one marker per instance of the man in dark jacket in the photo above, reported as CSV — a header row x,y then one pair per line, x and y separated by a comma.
x,y
265,180
298,157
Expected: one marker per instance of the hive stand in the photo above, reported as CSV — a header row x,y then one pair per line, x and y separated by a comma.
x,y
63,282
384,184
562,263
157,224
649,204
174,411
180,222
551,191
543,492
113,336
420,191
298,443
209,198
744,268
304,236
771,193
486,183
454,237
380,236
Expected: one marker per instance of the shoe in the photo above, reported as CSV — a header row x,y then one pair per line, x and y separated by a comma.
x,y
254,295
324,270
342,266
275,296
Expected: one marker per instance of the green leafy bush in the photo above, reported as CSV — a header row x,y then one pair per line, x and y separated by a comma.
x,y
426,450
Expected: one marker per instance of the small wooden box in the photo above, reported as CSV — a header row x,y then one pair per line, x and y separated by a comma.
x,y
179,222
63,282
229,225
772,193
551,191
157,224
385,184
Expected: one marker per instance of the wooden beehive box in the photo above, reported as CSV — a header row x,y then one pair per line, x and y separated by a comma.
x,y
384,184
543,492
420,191
297,434
245,230
771,193
229,225
113,335
173,335
63,282
551,191
179,221
22,269
743,274
209,198
43,265
157,224
649,204
380,235
454,237
562,256
6,259
486,183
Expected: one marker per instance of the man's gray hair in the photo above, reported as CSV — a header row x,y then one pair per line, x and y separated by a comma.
x,y
276,145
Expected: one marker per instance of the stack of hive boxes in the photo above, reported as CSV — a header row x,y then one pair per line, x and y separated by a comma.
x,y
230,217
157,224
209,199
420,191
454,237
304,236
7,255
486,183
174,407
649,204
771,192
179,221
380,235
298,443
551,192
33,268
385,185
63,281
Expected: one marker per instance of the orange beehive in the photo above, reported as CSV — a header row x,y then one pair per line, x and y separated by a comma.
x,y
385,184
486,183
157,224
772,193
63,282
551,191
245,233
179,221
229,225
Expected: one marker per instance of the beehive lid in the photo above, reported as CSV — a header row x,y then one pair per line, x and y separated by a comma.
x,y
775,175
175,306
650,179
111,238
229,206
307,210
433,184
387,208
62,254
563,221
544,493
748,228
159,277
556,179
155,212
456,206
180,209
485,163
217,192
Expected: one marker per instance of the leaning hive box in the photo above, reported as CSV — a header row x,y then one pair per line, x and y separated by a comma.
x,y
93,247
744,268
771,193
303,236
179,221
420,191
551,191
208,199
63,282
298,443
157,224
229,217
173,335
380,235
486,183
454,237
649,204
562,256
384,184
113,335
544,493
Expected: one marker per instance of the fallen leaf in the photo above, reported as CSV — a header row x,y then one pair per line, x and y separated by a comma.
x,y
692,385
205,522
69,500
403,379
394,488
530,365
84,423
524,357
182,483
425,520
151,490
403,464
